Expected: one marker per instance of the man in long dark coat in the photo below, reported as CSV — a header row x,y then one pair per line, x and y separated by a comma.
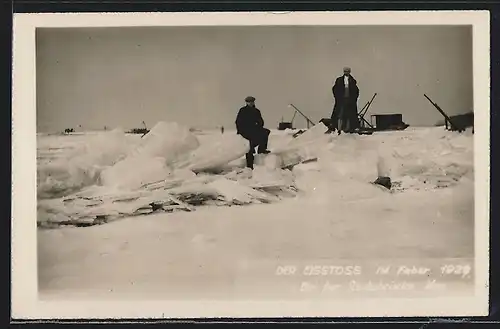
x,y
250,125
345,111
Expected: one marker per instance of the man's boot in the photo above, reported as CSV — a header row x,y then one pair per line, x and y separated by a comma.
x,y
262,149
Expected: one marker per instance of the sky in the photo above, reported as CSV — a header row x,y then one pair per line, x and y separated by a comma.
x,y
200,76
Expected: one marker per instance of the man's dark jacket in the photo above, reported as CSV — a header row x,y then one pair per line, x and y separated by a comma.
x,y
249,121
338,89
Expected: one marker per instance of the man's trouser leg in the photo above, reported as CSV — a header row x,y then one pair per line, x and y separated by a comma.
x,y
249,156
354,121
334,120
349,119
342,122
263,139
350,116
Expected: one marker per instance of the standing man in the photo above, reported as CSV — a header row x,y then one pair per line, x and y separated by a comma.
x,y
345,112
250,125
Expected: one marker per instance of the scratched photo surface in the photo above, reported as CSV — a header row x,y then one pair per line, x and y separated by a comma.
x,y
361,183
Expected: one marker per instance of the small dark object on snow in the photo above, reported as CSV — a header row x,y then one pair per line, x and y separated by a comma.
x,y
100,219
142,131
79,224
298,133
156,206
310,160
383,181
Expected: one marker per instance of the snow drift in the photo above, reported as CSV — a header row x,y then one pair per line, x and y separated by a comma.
x,y
82,165
215,154
152,159
113,175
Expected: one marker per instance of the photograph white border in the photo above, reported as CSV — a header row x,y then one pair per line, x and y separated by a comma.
x,y
25,303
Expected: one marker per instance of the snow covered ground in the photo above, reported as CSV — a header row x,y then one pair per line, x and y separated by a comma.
x,y
176,215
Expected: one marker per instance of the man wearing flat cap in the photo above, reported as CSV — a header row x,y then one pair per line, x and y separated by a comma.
x,y
250,125
345,111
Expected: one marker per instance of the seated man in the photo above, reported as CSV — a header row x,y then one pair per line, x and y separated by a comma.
x,y
250,125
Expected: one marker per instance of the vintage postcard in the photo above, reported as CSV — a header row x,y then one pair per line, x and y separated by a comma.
x,y
294,164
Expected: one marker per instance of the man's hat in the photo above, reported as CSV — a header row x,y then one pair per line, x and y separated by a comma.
x,y
250,99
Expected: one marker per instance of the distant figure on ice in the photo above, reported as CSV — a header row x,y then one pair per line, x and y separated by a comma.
x,y
250,125
346,93
222,129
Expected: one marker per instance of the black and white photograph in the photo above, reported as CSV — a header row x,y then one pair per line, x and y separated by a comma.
x,y
324,158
